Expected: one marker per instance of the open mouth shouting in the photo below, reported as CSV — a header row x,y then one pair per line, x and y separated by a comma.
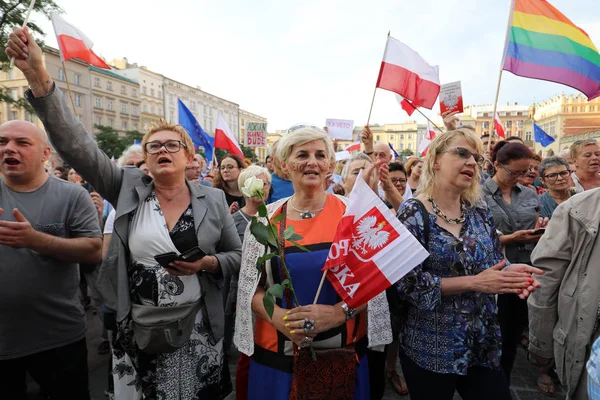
x,y
164,160
468,173
11,162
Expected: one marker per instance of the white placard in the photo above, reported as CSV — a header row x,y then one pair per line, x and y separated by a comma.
x,y
340,128
342,155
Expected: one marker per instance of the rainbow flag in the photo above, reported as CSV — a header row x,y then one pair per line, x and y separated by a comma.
x,y
544,44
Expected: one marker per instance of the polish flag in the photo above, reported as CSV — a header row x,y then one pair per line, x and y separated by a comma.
x,y
406,105
405,72
74,44
427,139
498,127
354,146
371,250
224,139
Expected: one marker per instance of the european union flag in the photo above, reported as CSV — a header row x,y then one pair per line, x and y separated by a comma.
x,y
138,142
541,137
199,137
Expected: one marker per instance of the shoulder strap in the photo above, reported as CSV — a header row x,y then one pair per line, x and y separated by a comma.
x,y
425,215
282,274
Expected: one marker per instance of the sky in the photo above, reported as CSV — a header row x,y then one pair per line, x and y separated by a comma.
x,y
304,61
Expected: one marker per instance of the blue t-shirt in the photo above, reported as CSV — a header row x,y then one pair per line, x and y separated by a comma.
x,y
280,189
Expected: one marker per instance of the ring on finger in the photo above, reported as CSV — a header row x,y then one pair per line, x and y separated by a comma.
x,y
308,325
304,343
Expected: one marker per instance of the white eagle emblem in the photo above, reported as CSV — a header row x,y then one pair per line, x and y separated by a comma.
x,y
370,234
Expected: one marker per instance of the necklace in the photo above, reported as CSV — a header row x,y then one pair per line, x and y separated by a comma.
x,y
175,195
306,214
441,214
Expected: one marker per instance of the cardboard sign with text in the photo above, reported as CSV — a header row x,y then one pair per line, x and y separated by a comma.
x,y
256,134
451,98
340,128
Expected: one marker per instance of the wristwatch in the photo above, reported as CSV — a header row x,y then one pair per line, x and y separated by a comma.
x,y
350,312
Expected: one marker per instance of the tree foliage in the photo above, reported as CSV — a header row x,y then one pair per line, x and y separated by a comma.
x,y
248,153
12,13
112,143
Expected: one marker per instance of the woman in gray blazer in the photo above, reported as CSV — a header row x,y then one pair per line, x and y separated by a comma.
x,y
154,215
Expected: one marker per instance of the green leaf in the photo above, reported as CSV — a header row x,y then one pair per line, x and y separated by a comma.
x,y
276,291
286,284
269,304
262,210
289,232
264,258
278,218
260,231
299,246
294,238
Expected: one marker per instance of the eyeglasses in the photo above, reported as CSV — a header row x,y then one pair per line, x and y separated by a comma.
x,y
515,173
172,146
399,180
554,176
465,154
227,167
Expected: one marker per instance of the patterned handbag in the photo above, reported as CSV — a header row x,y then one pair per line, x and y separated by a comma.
x,y
333,375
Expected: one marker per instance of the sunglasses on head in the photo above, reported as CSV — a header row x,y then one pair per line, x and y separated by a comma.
x,y
465,154
585,141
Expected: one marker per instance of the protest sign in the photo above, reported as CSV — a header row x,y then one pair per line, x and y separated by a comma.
x,y
256,134
451,98
339,128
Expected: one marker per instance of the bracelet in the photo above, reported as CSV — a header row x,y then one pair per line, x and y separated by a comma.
x,y
49,80
368,152
215,264
350,312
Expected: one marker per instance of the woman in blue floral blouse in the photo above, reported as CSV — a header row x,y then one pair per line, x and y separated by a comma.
x,y
450,337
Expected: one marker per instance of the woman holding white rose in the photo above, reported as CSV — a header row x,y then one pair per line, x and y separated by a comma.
x,y
273,343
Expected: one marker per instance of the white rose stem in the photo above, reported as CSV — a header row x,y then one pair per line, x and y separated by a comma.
x,y
320,286
25,21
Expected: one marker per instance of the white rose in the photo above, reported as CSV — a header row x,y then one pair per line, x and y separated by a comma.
x,y
253,187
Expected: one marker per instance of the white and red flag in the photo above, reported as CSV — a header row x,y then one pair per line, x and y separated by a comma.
x,y
405,72
498,127
406,105
224,139
371,250
427,139
354,146
73,43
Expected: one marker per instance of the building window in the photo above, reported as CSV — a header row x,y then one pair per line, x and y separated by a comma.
x,y
409,137
485,124
143,89
391,137
171,98
124,125
152,92
99,121
377,138
77,99
109,105
152,110
193,105
124,108
145,108
109,85
519,123
508,124
160,93
160,111
77,79
123,89
409,146
111,122
98,102
61,74
502,113
134,92
528,136
172,115
134,110
96,82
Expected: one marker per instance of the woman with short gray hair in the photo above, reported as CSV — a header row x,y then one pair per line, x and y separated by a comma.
x,y
554,174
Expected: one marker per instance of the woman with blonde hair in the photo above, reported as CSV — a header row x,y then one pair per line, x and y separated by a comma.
x,y
586,156
450,337
274,342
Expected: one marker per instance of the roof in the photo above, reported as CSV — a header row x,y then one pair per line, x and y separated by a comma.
x,y
112,75
577,126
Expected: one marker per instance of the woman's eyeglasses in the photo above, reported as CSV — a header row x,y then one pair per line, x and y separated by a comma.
x,y
515,174
465,154
172,146
554,176
399,180
227,167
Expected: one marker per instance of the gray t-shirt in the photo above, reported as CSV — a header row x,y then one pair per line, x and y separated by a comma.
x,y
241,220
39,305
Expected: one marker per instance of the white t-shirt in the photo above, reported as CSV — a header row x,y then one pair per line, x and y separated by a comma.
x,y
110,222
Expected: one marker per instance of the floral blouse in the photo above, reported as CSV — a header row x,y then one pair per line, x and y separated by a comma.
x,y
452,333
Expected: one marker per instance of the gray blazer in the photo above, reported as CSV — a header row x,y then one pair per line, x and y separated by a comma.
x,y
125,188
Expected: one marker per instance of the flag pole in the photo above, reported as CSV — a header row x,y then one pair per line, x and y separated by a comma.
x,y
508,25
430,121
68,85
25,21
375,90
320,286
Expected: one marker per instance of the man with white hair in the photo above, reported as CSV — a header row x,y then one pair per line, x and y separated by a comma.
x,y
47,227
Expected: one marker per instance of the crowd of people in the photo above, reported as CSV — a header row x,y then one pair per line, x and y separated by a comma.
x,y
160,245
